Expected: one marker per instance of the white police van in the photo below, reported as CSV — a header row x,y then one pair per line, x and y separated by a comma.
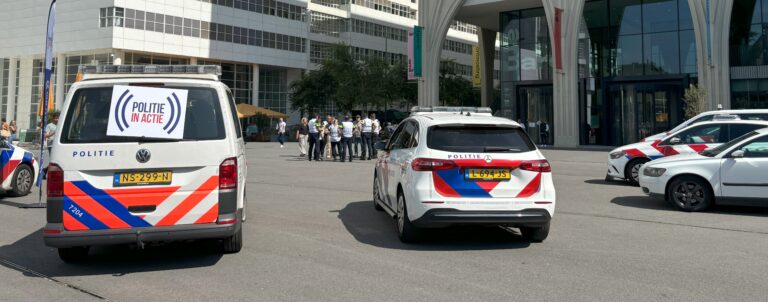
x,y
146,154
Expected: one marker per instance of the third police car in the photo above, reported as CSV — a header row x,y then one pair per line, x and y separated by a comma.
x,y
448,166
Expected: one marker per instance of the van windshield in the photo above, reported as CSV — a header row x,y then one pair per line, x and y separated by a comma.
x,y
88,115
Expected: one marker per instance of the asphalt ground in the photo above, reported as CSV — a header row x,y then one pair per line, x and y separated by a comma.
x,y
313,235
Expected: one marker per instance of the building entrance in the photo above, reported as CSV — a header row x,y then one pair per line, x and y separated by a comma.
x,y
534,107
638,110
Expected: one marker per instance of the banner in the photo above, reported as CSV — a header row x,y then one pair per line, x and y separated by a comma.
x,y
46,87
476,77
411,75
147,112
557,39
418,34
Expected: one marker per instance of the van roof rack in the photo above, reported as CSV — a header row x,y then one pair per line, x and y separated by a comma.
x,y
484,111
150,69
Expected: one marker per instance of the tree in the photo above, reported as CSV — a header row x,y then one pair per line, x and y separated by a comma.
x,y
348,75
694,98
455,90
313,91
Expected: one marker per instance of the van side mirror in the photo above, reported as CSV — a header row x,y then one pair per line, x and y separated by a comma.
x,y
675,140
738,154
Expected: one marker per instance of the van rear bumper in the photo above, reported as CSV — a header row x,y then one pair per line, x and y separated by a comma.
x,y
135,235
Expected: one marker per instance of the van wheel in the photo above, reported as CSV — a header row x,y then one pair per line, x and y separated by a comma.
x,y
407,232
632,171
376,194
22,181
537,234
233,244
73,254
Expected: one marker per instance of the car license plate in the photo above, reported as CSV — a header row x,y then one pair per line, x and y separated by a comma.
x,y
123,179
487,174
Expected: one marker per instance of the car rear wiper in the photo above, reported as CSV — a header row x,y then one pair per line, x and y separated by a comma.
x,y
500,149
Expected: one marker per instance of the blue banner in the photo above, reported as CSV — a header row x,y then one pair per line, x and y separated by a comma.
x,y
46,87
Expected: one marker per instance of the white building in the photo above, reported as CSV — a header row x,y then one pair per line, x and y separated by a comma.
x,y
262,45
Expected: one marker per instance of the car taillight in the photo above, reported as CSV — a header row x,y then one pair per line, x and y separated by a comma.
x,y
536,166
228,174
431,164
55,179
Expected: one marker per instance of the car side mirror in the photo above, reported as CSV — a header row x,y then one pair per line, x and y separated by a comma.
x,y
738,154
381,145
675,140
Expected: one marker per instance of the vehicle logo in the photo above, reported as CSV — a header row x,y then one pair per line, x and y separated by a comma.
x,y
488,159
143,156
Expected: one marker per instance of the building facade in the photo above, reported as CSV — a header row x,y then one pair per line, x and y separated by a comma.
x,y
262,45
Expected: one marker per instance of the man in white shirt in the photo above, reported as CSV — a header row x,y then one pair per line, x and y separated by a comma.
x,y
281,132
347,129
314,135
367,133
375,137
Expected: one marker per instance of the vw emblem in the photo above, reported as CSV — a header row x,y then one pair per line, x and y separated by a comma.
x,y
488,159
143,156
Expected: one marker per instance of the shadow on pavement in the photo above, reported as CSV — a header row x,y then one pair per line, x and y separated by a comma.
x,y
376,228
645,202
608,183
31,253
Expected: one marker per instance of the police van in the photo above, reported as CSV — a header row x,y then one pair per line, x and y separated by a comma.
x,y
146,154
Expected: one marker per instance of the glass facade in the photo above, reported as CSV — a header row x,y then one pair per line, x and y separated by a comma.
x,y
273,90
748,47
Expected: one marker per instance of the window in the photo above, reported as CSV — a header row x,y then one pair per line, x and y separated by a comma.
x,y
757,148
737,130
478,139
233,110
707,134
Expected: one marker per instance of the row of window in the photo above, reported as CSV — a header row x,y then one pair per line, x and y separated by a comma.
x,y
458,47
136,19
266,7
378,30
388,7
464,27
319,51
326,24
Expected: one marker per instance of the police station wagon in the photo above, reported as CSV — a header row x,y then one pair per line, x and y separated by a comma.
x,y
146,154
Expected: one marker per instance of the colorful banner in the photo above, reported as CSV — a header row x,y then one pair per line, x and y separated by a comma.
x,y
411,75
557,39
147,112
476,77
418,34
46,87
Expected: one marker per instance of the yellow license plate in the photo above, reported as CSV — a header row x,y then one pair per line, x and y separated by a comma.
x,y
487,174
123,179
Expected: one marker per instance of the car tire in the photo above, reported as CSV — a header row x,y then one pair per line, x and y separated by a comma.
x,y
632,171
233,244
535,234
23,180
406,231
73,254
690,194
376,194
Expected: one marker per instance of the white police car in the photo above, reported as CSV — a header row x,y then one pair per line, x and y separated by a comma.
x,y
18,169
733,173
460,166
146,154
722,115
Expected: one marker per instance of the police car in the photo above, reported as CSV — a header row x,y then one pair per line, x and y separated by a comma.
x,y
733,173
448,166
737,114
146,154
19,169
626,162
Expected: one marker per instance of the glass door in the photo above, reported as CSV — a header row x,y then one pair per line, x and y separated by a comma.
x,y
640,110
535,112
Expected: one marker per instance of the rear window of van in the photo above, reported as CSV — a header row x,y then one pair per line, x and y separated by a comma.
x,y
88,114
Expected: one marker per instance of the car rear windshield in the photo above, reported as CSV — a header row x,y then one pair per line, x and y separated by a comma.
x,y
478,138
88,114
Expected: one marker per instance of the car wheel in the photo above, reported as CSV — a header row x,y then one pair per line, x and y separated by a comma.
x,y
537,234
22,181
376,194
407,232
690,194
73,254
632,171
233,244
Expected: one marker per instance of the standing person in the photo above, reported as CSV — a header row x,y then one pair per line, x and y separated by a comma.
x,y
367,132
50,132
544,128
5,131
302,135
334,137
375,137
356,135
281,132
314,138
325,145
14,128
347,133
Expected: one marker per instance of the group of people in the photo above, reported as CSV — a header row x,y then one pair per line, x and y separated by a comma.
x,y
8,130
326,139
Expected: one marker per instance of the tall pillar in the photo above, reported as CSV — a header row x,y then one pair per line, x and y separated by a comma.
x,y
11,91
487,40
436,18
564,82
23,106
714,69
61,68
255,85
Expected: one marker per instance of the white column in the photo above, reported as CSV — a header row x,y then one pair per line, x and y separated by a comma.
x,y
436,18
11,91
255,85
24,101
714,72
487,41
564,83
61,68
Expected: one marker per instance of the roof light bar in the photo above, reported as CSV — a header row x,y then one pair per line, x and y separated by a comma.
x,y
150,69
450,109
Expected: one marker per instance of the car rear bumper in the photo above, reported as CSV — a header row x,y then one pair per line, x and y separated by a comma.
x,y
136,235
436,218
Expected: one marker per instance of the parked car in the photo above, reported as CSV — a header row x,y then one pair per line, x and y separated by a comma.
x,y
19,169
742,114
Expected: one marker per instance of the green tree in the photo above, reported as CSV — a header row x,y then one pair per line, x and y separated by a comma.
x,y
348,75
455,90
313,91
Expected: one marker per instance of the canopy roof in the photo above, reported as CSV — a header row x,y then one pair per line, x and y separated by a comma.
x,y
248,110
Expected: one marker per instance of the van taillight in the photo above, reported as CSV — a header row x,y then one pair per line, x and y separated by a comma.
x,y
431,164
55,178
228,174
536,166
